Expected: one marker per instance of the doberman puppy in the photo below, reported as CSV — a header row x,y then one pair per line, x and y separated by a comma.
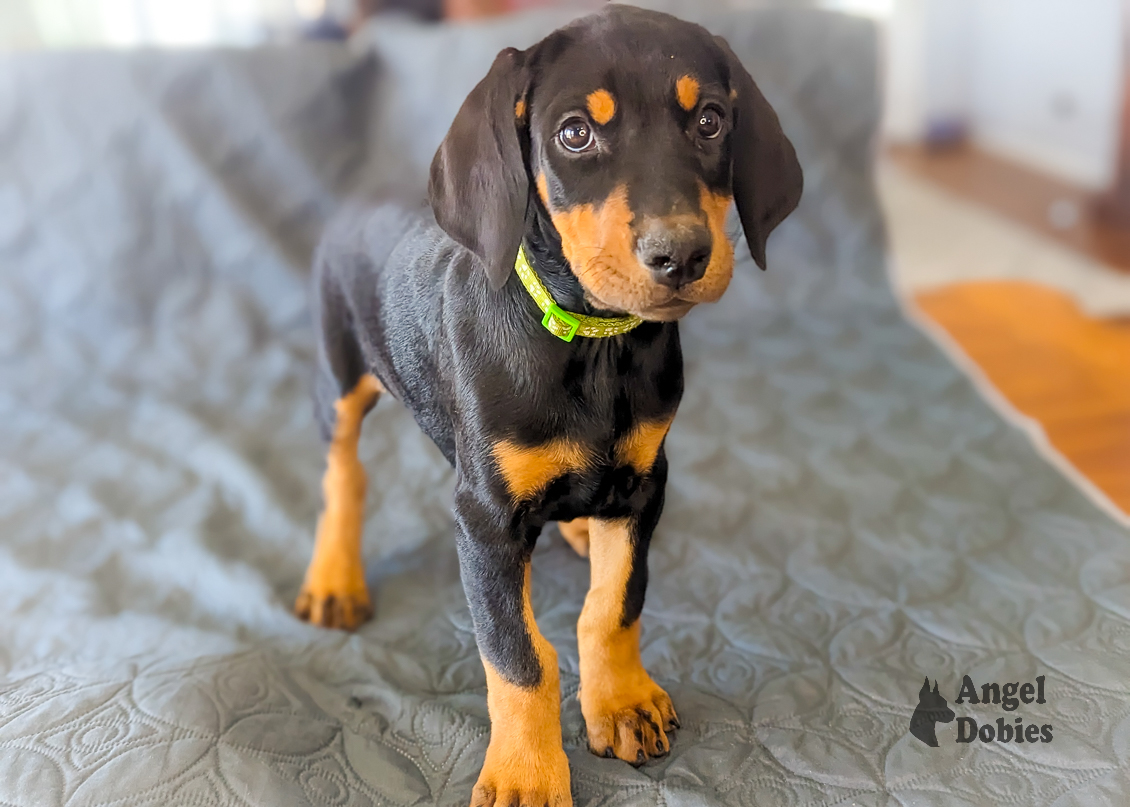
x,y
529,322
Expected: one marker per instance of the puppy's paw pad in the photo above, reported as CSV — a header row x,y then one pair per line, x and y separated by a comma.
x,y
333,610
632,729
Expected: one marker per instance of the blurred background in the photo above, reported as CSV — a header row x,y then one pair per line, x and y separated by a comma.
x,y
1004,169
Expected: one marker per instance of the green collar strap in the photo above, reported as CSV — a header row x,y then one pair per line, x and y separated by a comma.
x,y
566,324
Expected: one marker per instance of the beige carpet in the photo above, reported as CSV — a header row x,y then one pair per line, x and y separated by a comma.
x,y
938,238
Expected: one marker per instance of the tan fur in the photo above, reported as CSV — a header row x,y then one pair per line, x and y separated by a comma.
x,y
528,469
624,709
520,109
686,91
597,242
525,763
576,534
334,593
720,270
601,106
640,446
543,190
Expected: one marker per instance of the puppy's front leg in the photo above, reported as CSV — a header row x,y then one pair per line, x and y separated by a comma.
x,y
627,714
525,763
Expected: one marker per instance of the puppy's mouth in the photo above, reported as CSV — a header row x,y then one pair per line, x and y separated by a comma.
x,y
670,311
662,306
628,287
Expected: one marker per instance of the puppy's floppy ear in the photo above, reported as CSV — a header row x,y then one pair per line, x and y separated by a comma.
x,y
767,178
479,187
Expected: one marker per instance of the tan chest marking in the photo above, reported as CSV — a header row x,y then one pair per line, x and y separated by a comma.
x,y
639,447
527,470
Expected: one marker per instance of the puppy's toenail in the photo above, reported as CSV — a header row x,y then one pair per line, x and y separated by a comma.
x,y
609,753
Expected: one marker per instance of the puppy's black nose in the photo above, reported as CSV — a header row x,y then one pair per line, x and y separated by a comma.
x,y
676,254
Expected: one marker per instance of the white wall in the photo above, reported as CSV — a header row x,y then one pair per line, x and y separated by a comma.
x,y
82,23
905,71
1047,84
930,58
1038,81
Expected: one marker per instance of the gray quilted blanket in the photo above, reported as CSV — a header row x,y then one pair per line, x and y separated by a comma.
x,y
846,517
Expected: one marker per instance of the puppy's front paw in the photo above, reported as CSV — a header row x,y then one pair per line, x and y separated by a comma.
x,y
629,722
511,778
345,608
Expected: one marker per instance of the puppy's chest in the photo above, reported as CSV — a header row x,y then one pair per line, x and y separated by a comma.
x,y
587,440
569,477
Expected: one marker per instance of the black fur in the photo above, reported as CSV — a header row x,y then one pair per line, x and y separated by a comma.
x,y
435,312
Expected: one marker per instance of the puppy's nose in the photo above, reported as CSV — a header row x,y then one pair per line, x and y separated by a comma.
x,y
676,254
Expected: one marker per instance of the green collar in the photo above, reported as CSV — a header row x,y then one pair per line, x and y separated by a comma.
x,y
566,324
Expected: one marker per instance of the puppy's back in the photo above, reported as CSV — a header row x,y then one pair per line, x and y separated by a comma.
x,y
379,276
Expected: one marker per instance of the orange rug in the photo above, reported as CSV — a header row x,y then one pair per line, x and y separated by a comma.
x,y
1054,363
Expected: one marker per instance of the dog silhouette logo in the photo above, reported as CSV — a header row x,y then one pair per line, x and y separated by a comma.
x,y
932,708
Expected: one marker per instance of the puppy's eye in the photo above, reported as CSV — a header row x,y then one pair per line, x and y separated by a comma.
x,y
709,123
576,135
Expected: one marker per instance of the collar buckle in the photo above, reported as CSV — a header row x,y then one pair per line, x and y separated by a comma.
x,y
560,323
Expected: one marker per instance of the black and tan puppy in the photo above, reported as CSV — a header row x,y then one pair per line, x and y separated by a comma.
x,y
600,164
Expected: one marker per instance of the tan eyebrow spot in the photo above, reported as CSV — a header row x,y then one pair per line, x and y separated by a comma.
x,y
733,95
602,106
686,90
520,109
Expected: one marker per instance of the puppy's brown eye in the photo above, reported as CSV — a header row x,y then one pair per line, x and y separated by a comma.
x,y
709,123
576,135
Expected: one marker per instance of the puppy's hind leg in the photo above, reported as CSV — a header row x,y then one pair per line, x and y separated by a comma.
x,y
334,594
576,534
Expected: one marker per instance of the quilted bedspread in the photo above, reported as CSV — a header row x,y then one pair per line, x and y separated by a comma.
x,y
847,513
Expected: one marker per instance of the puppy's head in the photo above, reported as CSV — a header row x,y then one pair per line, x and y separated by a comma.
x,y
633,131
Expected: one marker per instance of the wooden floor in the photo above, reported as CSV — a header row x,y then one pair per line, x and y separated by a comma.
x,y
1021,194
1066,370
